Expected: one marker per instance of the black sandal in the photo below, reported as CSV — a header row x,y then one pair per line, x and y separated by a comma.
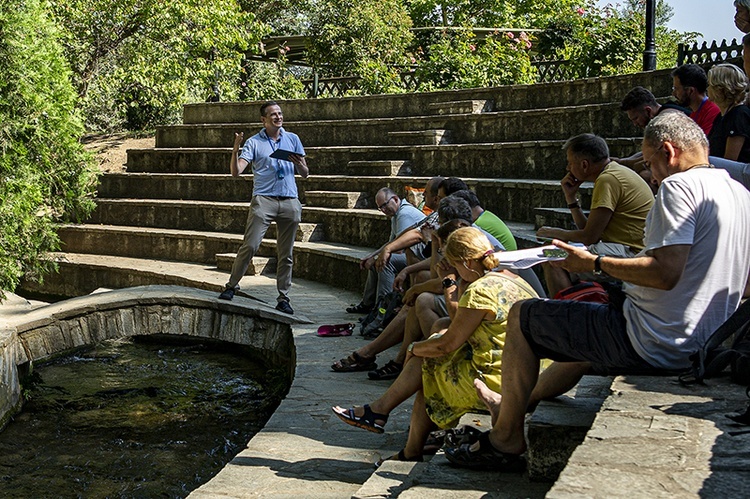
x,y
389,371
486,458
355,362
366,421
400,457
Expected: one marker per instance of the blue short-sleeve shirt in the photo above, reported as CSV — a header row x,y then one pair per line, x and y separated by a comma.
x,y
257,151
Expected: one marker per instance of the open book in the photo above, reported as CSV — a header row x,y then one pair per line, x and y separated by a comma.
x,y
525,258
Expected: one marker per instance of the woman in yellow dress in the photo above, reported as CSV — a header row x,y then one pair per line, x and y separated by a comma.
x,y
468,345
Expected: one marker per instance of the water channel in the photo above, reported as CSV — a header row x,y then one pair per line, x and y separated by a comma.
x,y
136,418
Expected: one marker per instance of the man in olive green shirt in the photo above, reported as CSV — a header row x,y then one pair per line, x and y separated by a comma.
x,y
620,203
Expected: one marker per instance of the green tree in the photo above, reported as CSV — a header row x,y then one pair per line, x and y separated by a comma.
x,y
136,62
368,38
45,175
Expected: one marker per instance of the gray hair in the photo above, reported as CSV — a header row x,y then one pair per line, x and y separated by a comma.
x,y
677,128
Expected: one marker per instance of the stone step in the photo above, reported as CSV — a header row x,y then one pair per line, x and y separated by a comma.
x,y
554,123
227,188
337,199
539,95
258,265
555,217
80,273
379,168
471,106
421,137
535,159
558,426
361,227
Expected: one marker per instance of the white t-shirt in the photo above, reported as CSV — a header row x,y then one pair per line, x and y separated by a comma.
x,y
704,208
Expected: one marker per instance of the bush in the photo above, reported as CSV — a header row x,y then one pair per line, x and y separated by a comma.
x,y
45,175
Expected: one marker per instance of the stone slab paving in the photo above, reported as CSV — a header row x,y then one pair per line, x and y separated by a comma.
x,y
656,438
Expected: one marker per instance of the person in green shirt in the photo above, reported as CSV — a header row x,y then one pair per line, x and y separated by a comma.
x,y
488,220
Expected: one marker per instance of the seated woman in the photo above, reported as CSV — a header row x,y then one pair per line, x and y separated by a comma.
x,y
727,87
441,369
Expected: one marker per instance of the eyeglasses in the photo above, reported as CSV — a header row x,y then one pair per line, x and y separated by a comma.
x,y
647,163
386,203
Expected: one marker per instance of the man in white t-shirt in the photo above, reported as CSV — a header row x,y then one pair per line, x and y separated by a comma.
x,y
685,283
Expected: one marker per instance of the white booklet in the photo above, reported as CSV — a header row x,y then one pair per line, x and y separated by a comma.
x,y
525,258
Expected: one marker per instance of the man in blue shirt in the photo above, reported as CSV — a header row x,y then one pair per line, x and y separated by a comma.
x,y
274,198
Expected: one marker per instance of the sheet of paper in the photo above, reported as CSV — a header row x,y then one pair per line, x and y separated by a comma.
x,y
525,258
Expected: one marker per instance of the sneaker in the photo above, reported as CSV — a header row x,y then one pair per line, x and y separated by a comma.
x,y
283,306
227,294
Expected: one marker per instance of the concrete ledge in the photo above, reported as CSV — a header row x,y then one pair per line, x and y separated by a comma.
x,y
657,438
558,426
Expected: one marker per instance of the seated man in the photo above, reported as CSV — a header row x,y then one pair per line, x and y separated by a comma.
x,y
686,282
641,107
619,205
488,220
689,87
380,280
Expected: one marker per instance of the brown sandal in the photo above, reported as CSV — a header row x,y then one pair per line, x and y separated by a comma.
x,y
355,362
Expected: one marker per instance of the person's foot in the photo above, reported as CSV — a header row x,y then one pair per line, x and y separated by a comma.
x,y
490,398
359,309
389,371
283,306
227,294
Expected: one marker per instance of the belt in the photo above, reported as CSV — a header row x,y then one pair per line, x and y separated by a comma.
x,y
279,198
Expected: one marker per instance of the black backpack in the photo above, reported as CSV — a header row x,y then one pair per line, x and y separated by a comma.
x,y
385,310
715,357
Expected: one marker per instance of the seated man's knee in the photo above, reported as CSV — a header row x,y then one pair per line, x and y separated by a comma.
x,y
440,325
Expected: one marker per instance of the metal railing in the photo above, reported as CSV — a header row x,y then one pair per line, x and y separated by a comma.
x,y
708,55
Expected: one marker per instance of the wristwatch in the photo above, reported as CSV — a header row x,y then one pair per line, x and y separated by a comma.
x,y
448,282
598,265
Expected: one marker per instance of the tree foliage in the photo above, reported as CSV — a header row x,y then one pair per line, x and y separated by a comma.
x,y
45,175
361,37
135,62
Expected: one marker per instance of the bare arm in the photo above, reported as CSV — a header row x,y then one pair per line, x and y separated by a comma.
x,y
590,233
462,326
734,147
662,268
406,239
237,165
634,162
300,164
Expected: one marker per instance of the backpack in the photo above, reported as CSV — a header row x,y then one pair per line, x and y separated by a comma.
x,y
714,357
584,291
385,310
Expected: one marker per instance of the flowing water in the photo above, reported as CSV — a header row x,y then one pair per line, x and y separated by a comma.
x,y
136,418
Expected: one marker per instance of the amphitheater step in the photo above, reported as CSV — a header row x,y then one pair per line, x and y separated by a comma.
x,y
336,199
558,426
258,265
378,168
80,273
555,217
149,242
564,93
421,137
461,107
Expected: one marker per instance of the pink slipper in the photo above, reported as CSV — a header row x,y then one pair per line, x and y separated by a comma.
x,y
336,330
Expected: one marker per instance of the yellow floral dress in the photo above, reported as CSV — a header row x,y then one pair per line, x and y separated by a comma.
x,y
448,381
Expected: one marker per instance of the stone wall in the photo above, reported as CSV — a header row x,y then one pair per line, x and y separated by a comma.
x,y
46,332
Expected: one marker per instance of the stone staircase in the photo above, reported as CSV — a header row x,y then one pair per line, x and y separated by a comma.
x,y
177,202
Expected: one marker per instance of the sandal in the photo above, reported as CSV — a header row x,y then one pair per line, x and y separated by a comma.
x,y
486,458
399,457
355,362
359,309
389,371
366,421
